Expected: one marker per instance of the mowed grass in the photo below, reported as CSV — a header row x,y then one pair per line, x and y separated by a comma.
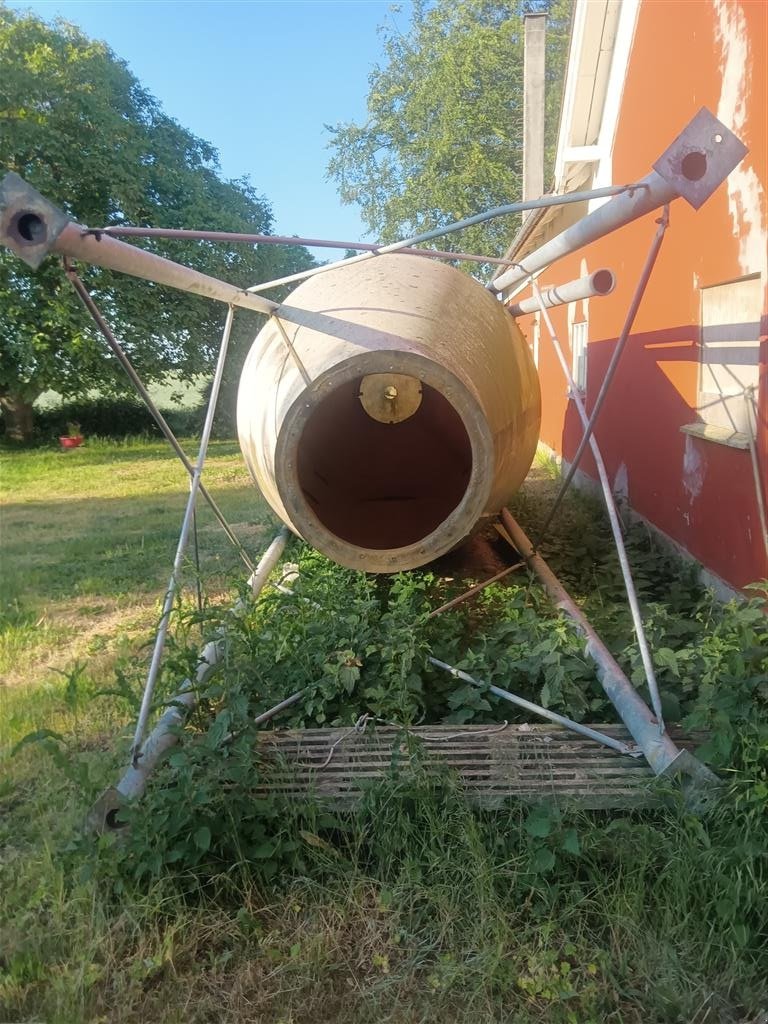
x,y
88,539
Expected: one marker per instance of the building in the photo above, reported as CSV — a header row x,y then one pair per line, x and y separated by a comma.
x,y
684,429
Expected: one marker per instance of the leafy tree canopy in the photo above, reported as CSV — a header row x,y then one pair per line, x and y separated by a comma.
x,y
443,136
78,126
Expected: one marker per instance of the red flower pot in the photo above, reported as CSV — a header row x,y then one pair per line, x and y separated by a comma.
x,y
71,442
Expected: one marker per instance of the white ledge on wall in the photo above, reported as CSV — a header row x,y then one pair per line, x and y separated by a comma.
x,y
719,435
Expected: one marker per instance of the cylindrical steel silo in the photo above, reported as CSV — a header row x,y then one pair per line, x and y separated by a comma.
x,y
386,408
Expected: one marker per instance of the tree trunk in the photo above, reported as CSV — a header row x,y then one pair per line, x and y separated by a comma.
x,y
19,418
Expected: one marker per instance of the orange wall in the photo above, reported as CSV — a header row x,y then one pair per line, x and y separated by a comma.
x,y
700,493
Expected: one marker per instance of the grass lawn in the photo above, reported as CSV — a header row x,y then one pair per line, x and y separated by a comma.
x,y
88,538
221,907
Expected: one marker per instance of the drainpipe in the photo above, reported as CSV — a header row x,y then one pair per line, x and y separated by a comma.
x,y
534,66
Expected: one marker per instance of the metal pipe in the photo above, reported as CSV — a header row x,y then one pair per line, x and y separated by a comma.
x,y
658,748
692,167
601,282
33,227
536,709
158,417
157,653
103,251
163,737
475,590
265,716
648,195
629,321
459,225
751,436
268,561
184,234
613,517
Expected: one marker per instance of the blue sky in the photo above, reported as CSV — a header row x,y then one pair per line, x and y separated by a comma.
x,y
258,80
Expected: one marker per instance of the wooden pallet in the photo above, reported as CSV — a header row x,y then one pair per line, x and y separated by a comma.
x,y
528,762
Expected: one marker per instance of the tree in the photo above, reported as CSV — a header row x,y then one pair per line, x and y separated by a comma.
x,y
79,127
443,136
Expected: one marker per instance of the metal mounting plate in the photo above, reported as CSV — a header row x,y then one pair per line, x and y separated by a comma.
x,y
700,158
29,223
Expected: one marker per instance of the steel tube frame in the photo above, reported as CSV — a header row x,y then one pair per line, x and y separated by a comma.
x,y
648,195
157,653
629,321
536,709
459,225
192,235
158,417
610,504
659,750
599,282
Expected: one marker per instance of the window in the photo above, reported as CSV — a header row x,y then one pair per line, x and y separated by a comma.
x,y
730,352
579,332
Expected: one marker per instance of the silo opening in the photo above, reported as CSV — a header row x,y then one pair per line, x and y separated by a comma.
x,y
383,485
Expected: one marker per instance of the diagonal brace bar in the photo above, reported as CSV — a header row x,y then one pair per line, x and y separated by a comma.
x,y
158,417
634,305
537,709
613,517
157,653
459,225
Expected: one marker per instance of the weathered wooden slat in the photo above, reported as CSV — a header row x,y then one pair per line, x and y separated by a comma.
x,y
521,761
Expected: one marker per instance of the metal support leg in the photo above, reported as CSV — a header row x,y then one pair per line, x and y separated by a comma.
x,y
613,517
103,815
170,595
664,757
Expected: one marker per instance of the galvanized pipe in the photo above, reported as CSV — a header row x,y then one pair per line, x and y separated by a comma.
x,y
268,561
600,282
184,234
658,748
134,780
648,195
629,321
613,517
170,595
449,229
536,709
692,167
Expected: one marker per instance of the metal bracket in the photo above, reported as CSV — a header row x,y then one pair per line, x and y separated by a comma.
x,y
700,158
29,223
